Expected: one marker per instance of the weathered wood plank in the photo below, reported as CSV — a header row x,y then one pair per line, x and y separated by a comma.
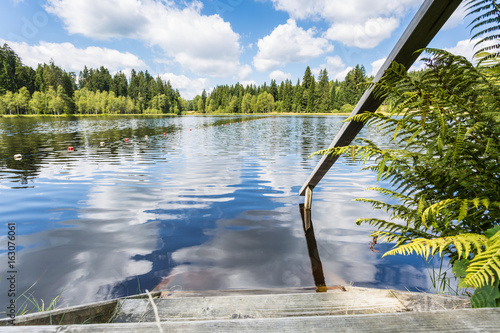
x,y
431,16
99,312
233,292
452,321
354,301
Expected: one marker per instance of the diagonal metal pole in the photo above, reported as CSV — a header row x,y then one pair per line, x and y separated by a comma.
x,y
429,19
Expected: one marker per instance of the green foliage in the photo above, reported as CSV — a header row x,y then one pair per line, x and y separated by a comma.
x,y
51,90
445,174
487,296
485,26
484,268
464,244
480,271
346,108
309,95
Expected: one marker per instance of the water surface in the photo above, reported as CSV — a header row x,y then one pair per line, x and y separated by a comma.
x,y
200,203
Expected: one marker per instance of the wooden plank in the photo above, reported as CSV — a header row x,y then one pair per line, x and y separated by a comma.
x,y
353,301
452,321
429,19
98,312
169,293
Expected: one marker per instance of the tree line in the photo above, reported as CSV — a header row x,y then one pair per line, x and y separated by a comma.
x,y
48,89
51,90
310,95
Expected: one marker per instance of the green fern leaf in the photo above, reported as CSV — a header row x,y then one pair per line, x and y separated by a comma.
x,y
484,268
425,247
486,296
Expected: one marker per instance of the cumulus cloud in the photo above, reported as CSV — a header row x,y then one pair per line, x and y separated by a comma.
x,y
457,17
73,59
365,35
376,65
244,72
205,45
360,23
289,43
279,76
248,83
188,88
340,10
335,67
464,48
100,19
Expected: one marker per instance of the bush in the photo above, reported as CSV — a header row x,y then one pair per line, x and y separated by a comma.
x,y
346,108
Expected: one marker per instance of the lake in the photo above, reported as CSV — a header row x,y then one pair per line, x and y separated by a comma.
x,y
192,202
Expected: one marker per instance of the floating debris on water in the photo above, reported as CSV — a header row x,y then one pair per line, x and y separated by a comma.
x,y
18,157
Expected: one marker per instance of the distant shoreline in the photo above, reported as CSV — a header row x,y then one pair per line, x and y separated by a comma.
x,y
189,113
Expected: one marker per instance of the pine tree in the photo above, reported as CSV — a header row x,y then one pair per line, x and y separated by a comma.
x,y
306,80
311,96
298,97
323,98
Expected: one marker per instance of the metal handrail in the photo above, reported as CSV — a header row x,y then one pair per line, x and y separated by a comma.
x,y
427,22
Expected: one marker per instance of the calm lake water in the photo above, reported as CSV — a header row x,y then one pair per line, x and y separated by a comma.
x,y
201,203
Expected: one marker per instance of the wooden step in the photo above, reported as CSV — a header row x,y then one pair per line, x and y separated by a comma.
x,y
352,301
448,321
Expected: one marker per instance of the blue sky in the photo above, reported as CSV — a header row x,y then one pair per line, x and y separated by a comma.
x,y
200,44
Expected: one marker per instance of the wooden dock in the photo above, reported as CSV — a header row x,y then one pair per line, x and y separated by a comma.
x,y
347,309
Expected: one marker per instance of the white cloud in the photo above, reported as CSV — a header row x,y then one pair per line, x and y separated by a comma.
x,y
360,23
279,76
341,10
335,67
464,48
248,83
244,72
188,88
205,45
376,65
366,35
100,19
289,43
457,17
73,59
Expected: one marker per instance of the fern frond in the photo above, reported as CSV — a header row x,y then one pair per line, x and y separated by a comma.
x,y
433,210
484,268
427,247
486,21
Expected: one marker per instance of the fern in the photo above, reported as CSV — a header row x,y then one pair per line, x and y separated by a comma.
x,y
484,269
486,24
444,178
463,243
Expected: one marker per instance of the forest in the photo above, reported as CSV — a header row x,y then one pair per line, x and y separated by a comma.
x,y
50,90
310,96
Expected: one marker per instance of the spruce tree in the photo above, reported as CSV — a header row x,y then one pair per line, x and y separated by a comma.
x,y
306,80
